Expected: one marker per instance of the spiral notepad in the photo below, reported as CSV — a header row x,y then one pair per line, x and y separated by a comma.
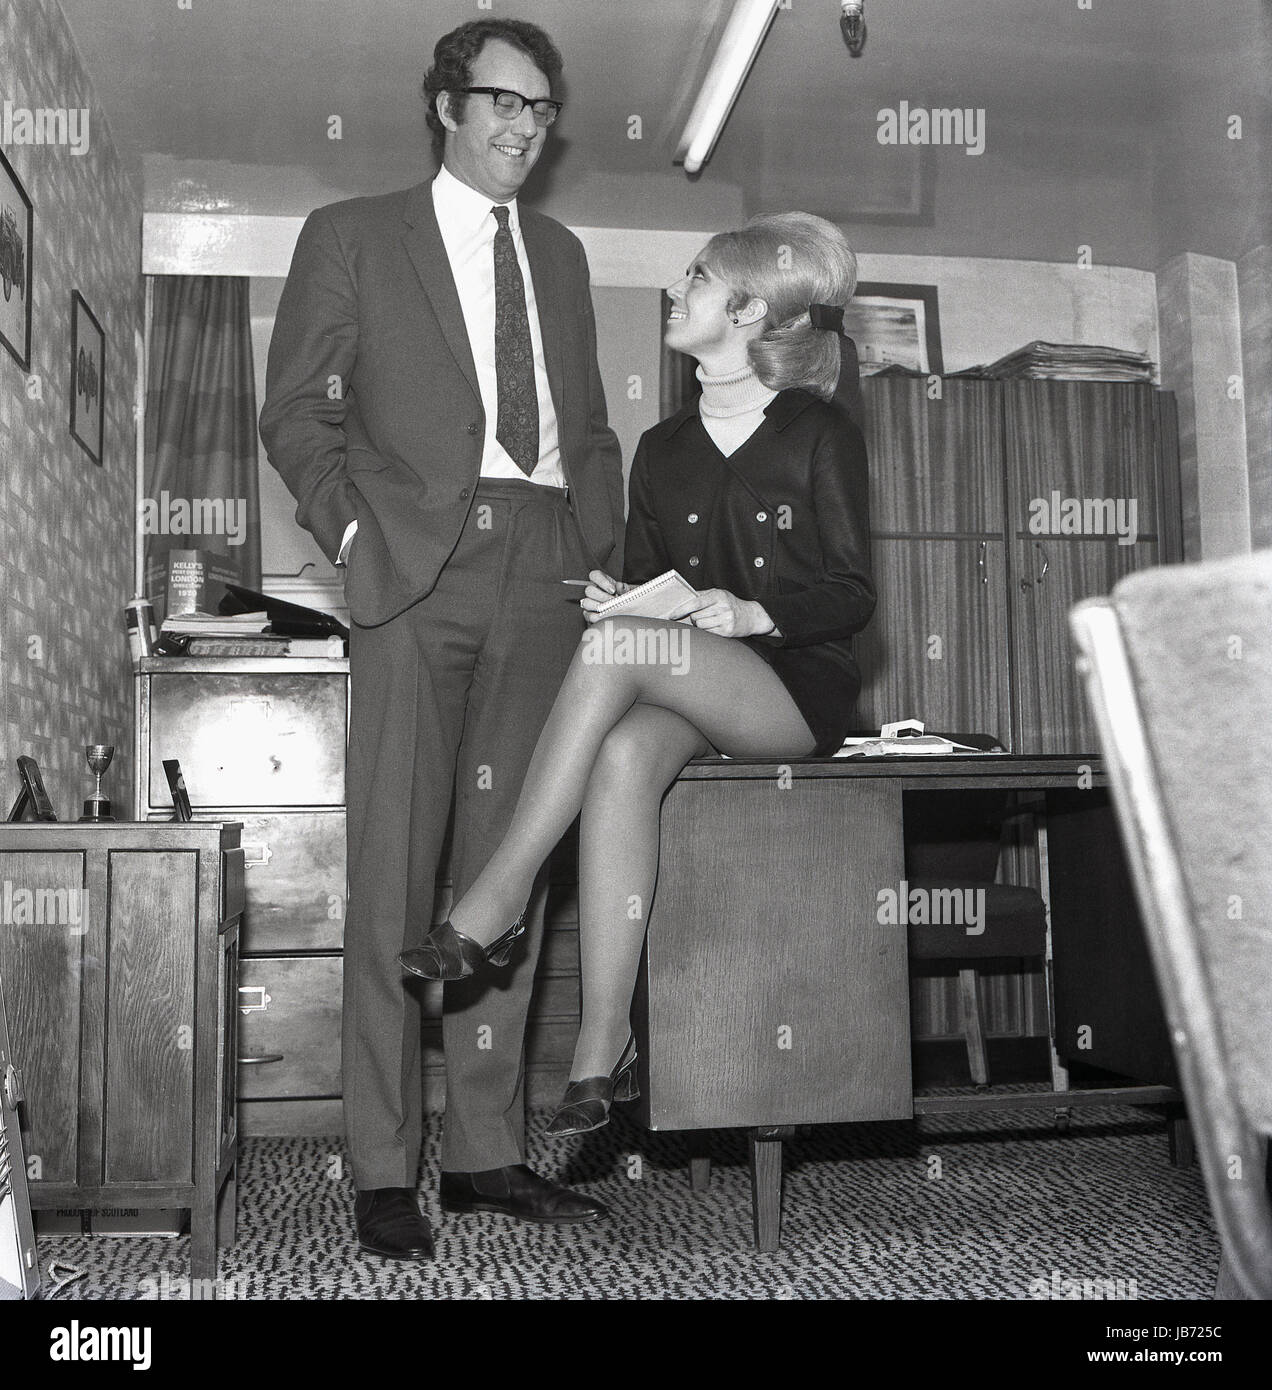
x,y
656,598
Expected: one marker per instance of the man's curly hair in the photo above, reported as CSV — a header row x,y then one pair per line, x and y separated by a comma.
x,y
456,52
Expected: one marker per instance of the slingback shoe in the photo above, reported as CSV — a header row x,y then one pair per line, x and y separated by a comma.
x,y
447,954
586,1104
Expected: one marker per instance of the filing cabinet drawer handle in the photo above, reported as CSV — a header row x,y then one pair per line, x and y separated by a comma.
x,y
257,999
260,1061
254,855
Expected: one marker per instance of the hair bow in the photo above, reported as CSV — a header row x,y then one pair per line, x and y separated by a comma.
x,y
827,316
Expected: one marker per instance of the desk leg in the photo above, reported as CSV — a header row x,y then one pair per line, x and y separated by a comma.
x,y
1183,1151
203,1246
699,1160
766,1183
1059,1071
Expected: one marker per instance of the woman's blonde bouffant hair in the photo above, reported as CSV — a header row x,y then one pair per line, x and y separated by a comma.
x,y
790,260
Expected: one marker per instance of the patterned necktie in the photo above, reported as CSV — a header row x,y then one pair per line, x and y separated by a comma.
x,y
517,428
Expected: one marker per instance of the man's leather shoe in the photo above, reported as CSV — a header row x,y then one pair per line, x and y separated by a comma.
x,y
520,1192
391,1224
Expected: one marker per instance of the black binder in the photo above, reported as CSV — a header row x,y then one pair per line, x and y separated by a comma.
x,y
285,619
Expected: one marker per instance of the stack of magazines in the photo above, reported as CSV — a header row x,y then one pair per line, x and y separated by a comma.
x,y
1068,362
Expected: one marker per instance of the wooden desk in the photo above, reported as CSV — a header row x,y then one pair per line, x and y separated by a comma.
x,y
771,995
119,950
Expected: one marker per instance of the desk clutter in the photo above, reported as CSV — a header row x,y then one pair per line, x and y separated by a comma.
x,y
908,739
205,613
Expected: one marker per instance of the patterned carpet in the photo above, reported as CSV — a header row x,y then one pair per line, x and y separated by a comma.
x,y
949,1207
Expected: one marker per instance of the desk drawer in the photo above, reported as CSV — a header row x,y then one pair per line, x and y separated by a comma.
x,y
295,881
289,1018
242,742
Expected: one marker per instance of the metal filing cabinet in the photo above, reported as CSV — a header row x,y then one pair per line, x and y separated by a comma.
x,y
262,741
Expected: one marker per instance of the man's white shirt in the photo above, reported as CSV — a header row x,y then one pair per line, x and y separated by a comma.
x,y
467,224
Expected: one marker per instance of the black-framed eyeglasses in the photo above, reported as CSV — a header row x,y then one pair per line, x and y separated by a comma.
x,y
509,105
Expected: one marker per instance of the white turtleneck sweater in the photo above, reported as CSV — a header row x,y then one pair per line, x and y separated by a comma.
x,y
732,407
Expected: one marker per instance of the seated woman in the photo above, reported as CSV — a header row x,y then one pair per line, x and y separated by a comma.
x,y
756,493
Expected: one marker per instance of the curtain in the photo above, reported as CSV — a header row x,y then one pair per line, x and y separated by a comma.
x,y
201,489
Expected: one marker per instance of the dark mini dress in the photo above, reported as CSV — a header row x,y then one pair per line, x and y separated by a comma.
x,y
783,520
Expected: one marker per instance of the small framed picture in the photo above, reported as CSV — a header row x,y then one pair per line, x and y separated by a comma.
x,y
895,326
16,226
88,378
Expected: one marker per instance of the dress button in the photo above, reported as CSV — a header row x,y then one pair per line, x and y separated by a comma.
x,y
464,495
472,427
693,559
693,516
761,516
759,562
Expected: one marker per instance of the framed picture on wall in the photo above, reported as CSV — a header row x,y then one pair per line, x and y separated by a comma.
x,y
88,378
16,226
895,326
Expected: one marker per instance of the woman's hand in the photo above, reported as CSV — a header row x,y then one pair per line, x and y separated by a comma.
x,y
601,587
719,611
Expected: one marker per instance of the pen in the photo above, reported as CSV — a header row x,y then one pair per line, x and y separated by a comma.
x,y
576,581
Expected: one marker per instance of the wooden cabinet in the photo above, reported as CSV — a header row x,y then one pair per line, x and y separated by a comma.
x,y
978,557
119,951
995,506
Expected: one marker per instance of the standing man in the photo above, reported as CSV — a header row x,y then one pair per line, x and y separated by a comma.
x,y
435,406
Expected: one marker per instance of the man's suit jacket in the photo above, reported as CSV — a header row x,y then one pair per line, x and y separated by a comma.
x,y
372,408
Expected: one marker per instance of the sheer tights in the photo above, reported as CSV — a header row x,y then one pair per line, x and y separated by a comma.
x,y
616,738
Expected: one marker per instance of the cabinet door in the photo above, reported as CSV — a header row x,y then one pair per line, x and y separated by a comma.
x,y
936,649
150,1016
1052,575
46,932
1085,502
935,464
1086,441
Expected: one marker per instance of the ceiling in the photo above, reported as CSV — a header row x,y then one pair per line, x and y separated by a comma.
x,y
1104,126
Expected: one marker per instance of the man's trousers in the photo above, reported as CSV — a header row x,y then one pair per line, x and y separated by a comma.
x,y
447,702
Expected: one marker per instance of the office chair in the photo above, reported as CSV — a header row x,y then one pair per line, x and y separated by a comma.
x,y
1178,671
952,844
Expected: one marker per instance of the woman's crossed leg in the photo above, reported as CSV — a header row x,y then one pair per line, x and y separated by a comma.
x,y
640,698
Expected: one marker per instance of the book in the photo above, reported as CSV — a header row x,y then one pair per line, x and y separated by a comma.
x,y
216,625
656,598
289,619
196,580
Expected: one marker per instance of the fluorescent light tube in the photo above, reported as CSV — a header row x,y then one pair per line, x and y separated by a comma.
x,y
740,42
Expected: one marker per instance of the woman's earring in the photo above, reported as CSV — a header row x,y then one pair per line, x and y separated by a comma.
x,y
733,318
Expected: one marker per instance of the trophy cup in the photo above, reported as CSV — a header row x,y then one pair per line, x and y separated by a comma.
x,y
97,807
